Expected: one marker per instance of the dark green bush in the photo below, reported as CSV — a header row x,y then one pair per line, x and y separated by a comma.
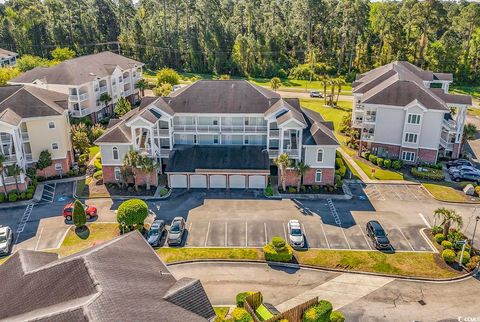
x,y
240,298
380,162
79,215
448,255
437,230
132,212
12,196
366,155
269,190
29,195
372,158
337,316
439,238
2,197
387,163
318,313
397,164
431,174
23,195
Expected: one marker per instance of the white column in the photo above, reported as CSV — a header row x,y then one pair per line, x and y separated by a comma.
x,y
268,135
280,150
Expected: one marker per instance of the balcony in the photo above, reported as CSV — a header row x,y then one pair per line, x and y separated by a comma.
x,y
25,136
293,153
80,113
274,134
103,89
10,180
126,80
221,128
357,122
450,125
164,153
369,118
446,145
28,157
10,158
78,97
161,132
273,153
366,136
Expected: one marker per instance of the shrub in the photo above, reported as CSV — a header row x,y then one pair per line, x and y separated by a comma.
x,y
82,159
79,216
455,236
241,315
240,298
163,192
315,187
98,174
341,171
23,195
318,313
337,316
448,255
338,180
380,162
282,73
473,262
437,230
439,238
397,164
269,191
132,212
2,197
278,251
446,244
366,155
168,75
431,174
465,259
98,164
477,190
29,195
339,163
372,158
291,189
278,242
387,163
12,196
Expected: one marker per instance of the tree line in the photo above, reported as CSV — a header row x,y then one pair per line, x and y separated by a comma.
x,y
258,38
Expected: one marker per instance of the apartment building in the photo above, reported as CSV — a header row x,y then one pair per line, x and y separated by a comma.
x,y
7,58
32,120
85,79
405,112
221,134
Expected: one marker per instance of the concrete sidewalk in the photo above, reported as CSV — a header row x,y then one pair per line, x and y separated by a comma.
x,y
340,291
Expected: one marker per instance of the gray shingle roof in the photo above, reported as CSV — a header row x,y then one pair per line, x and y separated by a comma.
x,y
120,280
318,131
78,70
7,53
226,157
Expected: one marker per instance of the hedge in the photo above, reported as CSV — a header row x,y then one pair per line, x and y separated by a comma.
x,y
318,313
273,254
448,255
431,174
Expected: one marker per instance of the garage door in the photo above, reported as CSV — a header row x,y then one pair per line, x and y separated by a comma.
x,y
256,182
178,181
198,181
218,181
237,182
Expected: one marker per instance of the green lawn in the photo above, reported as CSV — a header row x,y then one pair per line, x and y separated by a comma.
x,y
81,185
380,174
170,255
473,111
473,90
445,193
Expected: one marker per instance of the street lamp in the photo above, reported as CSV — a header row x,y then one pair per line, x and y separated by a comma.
x,y
474,231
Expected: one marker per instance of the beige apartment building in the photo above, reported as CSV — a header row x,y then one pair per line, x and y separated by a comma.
x,y
32,120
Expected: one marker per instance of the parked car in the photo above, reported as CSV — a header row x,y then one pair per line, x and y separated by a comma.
x,y
452,170
176,231
467,176
376,232
295,234
458,162
6,240
316,94
90,211
154,235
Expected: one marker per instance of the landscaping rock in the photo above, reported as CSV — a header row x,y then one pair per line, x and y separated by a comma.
x,y
469,190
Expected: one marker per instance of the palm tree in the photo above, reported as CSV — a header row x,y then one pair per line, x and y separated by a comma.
x,y
300,168
448,217
275,83
141,85
333,83
14,170
105,98
283,162
132,160
2,172
148,165
325,81
340,82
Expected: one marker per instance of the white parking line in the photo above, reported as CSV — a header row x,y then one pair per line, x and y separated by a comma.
x,y
246,234
206,235
425,220
266,236
364,236
324,235
226,229
401,232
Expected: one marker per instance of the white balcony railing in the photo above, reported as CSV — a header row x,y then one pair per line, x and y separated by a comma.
x,y
164,153
368,136
447,145
103,89
273,153
25,136
161,132
80,113
294,153
274,133
9,180
450,124
126,80
219,128
79,97
10,158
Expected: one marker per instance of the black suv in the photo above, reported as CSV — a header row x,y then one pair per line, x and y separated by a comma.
x,y
466,176
377,234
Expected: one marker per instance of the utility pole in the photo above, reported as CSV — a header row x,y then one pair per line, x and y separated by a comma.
x,y
474,232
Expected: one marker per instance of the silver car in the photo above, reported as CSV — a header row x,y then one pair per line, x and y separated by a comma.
x,y
176,231
295,234
6,240
460,168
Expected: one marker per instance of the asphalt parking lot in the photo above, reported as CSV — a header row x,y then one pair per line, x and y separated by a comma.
x,y
383,192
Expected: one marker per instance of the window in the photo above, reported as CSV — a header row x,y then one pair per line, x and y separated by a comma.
x,y
195,139
115,153
113,82
318,175
411,137
408,156
58,167
215,139
51,125
54,146
215,122
246,140
413,118
120,79
320,155
246,122
117,173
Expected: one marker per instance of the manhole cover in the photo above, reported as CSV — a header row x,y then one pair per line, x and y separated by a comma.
x,y
422,302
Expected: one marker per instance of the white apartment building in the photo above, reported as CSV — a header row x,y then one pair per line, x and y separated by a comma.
x,y
85,79
7,58
221,134
404,112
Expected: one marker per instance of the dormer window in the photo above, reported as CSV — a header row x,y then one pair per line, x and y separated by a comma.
x,y
115,153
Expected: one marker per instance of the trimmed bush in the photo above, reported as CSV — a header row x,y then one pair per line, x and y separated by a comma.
x,y
448,255
380,162
397,164
341,171
387,163
12,197
437,230
82,159
446,244
241,315
98,175
23,195
240,298
2,197
431,174
372,158
337,316
366,155
473,263
292,189
439,238
163,191
477,190
269,191
318,313
278,242
29,195
274,255
132,212
98,164
339,163
465,259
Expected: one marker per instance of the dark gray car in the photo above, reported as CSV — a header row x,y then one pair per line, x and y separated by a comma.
x,y
176,231
154,235
377,234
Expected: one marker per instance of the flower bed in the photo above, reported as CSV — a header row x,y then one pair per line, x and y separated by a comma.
x,y
312,189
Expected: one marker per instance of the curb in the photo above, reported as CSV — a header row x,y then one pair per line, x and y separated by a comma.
x,y
326,269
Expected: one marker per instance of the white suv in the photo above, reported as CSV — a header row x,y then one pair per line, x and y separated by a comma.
x,y
6,240
295,234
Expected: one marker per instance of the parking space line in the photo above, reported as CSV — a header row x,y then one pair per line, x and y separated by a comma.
x,y
392,188
425,220
226,229
408,242
285,231
368,243
206,235
324,235
246,234
266,236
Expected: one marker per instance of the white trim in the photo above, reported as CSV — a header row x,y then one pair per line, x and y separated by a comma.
x,y
115,171
318,171
56,144
318,151
114,148
404,153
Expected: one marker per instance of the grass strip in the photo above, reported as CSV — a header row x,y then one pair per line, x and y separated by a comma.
x,y
170,255
445,193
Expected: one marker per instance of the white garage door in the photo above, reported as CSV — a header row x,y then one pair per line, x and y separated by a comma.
x,y
256,182
237,182
218,181
198,181
178,181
